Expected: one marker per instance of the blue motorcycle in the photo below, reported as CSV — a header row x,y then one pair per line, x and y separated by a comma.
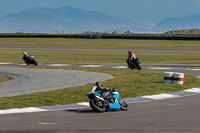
x,y
106,101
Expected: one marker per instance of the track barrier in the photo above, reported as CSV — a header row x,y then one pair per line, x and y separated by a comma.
x,y
173,77
178,78
168,77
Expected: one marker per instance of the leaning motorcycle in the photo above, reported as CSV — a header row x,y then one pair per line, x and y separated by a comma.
x,y
135,64
110,101
31,60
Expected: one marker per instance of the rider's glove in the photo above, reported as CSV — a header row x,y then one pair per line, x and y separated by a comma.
x,y
112,90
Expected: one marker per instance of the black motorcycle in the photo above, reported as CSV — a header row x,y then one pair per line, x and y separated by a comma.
x,y
134,64
31,60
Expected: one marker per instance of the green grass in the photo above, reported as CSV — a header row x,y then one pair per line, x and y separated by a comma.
x,y
4,79
117,43
127,83
98,56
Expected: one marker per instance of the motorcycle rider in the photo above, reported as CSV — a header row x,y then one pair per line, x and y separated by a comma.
x,y
25,56
98,87
131,58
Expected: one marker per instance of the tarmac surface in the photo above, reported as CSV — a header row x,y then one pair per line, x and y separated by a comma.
x,y
177,115
180,115
26,81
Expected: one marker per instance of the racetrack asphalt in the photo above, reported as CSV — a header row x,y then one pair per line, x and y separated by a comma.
x,y
26,81
177,115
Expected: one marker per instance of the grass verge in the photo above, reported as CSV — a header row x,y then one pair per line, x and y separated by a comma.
x,y
4,79
44,56
128,84
115,43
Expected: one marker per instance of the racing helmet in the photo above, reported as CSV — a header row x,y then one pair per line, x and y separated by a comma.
x,y
25,54
98,84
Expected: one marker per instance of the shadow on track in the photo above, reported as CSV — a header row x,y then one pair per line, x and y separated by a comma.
x,y
80,111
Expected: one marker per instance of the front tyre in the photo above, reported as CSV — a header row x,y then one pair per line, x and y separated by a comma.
x,y
139,67
97,105
35,62
123,105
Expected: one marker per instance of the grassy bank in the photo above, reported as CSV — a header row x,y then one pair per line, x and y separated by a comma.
x,y
98,56
128,84
116,43
4,79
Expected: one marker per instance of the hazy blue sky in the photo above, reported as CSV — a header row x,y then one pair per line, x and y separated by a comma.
x,y
148,12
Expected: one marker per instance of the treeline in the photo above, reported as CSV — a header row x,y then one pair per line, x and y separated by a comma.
x,y
104,36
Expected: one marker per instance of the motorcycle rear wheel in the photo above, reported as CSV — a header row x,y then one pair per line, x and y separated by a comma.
x,y
97,106
123,105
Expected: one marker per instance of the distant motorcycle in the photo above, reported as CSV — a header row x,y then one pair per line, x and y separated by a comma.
x,y
31,60
135,64
110,101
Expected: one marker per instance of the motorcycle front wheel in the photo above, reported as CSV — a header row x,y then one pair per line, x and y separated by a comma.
x,y
97,105
34,62
123,105
139,67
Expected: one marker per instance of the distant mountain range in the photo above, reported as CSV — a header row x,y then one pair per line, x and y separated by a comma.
x,y
67,19
64,19
186,22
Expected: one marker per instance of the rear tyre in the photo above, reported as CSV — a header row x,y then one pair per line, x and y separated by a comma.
x,y
97,105
123,105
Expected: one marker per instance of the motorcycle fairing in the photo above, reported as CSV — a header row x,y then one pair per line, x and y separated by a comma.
x,y
115,105
95,93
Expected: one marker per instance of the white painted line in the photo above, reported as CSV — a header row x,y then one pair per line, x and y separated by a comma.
x,y
5,63
195,90
91,66
160,68
161,96
57,65
22,64
23,110
44,123
84,104
123,67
